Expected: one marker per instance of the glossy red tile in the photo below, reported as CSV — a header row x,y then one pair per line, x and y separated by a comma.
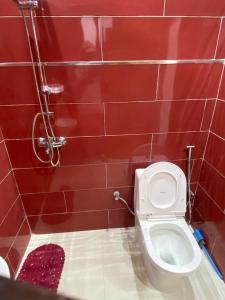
x,y
196,170
19,246
17,86
69,222
208,114
78,119
194,8
172,146
8,194
69,120
189,81
65,39
1,135
99,199
220,53
151,38
161,116
9,228
102,8
120,218
218,119
13,40
106,149
4,160
61,178
215,153
22,117
214,184
44,203
22,155
222,87
9,8
122,174
103,83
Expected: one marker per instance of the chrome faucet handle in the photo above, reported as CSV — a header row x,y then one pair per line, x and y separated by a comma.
x,y
52,89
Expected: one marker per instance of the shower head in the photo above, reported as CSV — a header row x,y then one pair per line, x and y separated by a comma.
x,y
24,4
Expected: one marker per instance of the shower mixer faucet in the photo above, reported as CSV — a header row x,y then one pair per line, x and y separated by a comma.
x,y
57,142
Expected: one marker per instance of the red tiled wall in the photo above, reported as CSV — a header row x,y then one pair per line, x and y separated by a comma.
x,y
14,228
116,118
210,198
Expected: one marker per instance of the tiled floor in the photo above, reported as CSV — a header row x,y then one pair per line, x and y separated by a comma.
x,y
107,265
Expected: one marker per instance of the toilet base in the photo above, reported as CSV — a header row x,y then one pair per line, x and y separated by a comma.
x,y
162,281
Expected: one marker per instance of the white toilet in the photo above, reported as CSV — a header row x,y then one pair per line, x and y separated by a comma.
x,y
169,248
4,269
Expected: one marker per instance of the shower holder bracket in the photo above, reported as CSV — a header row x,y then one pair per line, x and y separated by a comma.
x,y
52,89
26,4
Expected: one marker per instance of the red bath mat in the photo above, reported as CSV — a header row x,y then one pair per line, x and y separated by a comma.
x,y
43,266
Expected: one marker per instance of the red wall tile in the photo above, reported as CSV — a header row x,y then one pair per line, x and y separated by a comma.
x,y
44,203
218,119
106,149
62,178
13,41
4,160
9,8
10,227
208,114
8,194
103,83
151,38
64,39
100,7
215,153
195,8
222,86
172,146
214,184
120,218
69,120
163,116
69,222
17,86
221,48
99,199
189,81
19,246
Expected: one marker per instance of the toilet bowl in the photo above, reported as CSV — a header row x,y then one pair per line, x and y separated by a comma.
x,y
169,249
4,269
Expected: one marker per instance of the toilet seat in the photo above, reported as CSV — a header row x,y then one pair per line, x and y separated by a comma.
x,y
177,251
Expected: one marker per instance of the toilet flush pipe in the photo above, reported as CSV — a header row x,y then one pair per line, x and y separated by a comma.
x,y
189,148
201,241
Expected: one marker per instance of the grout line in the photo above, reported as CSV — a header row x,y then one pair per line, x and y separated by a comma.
x,y
106,176
64,195
218,136
164,8
71,212
218,37
16,236
157,84
107,102
150,155
203,114
127,16
214,202
10,208
101,36
104,116
4,178
214,168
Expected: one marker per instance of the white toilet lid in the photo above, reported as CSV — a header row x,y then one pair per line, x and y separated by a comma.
x,y
162,188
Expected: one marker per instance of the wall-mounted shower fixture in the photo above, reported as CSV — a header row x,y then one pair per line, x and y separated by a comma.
x,y
25,4
44,90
